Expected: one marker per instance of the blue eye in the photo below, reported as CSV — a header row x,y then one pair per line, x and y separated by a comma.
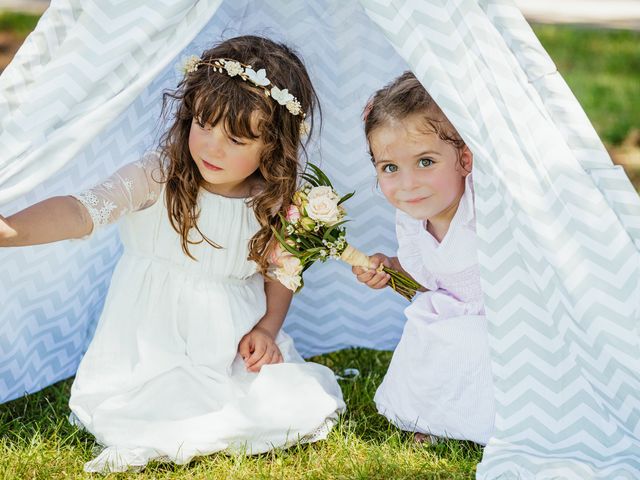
x,y
390,168
425,162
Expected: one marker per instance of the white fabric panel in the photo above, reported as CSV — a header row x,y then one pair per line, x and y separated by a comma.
x,y
560,271
78,73
332,312
558,228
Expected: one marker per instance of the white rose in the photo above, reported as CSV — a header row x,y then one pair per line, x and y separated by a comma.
x,y
291,265
289,273
292,282
323,205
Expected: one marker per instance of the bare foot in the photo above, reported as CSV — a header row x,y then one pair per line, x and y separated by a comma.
x,y
425,438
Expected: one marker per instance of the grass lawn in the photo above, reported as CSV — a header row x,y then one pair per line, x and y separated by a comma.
x,y
602,67
18,23
36,441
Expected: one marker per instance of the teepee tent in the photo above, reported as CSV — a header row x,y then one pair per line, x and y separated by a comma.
x,y
558,224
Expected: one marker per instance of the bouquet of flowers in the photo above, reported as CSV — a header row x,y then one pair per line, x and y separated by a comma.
x,y
313,229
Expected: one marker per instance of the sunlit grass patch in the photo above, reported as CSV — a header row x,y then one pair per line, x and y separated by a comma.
x,y
37,441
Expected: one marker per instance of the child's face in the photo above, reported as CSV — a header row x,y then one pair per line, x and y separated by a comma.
x,y
418,172
225,162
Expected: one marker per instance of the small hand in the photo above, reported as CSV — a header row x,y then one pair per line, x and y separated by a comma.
x,y
374,277
6,232
258,348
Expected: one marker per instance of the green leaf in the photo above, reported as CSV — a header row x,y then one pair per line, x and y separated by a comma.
x,y
313,237
284,244
346,197
308,259
321,176
312,180
337,225
306,243
327,234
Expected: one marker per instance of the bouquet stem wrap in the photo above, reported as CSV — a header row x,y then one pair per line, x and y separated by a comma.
x,y
402,284
355,257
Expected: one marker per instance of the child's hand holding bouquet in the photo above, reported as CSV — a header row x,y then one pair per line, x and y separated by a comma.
x,y
313,230
374,276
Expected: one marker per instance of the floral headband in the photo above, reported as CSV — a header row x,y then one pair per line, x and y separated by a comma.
x,y
247,73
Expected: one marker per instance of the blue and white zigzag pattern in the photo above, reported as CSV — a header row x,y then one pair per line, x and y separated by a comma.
x,y
559,226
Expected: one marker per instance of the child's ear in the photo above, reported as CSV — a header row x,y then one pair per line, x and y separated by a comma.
x,y
466,160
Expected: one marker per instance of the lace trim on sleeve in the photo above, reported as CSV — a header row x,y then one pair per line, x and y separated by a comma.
x,y
133,187
99,213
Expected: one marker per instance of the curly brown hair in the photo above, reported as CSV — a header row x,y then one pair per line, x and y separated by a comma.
x,y
403,97
213,97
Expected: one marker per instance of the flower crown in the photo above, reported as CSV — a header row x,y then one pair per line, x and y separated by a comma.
x,y
247,73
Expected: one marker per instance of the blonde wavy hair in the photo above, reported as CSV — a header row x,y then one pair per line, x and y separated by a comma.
x,y
213,97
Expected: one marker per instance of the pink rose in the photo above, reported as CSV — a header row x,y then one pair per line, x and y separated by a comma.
x,y
293,214
279,255
276,255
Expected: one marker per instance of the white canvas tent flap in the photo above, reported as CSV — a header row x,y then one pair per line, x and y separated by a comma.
x,y
558,224
64,80
64,284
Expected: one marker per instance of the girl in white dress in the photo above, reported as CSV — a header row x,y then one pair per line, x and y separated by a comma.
x,y
439,381
188,357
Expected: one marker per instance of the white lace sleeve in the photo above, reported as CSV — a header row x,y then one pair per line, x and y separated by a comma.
x,y
132,187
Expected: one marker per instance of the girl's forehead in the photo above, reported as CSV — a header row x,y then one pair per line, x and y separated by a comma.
x,y
402,133
237,123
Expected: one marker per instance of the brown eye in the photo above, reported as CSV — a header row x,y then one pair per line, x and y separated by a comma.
x,y
425,162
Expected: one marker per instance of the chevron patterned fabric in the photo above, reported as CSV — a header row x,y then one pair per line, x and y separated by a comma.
x,y
558,224
558,231
54,293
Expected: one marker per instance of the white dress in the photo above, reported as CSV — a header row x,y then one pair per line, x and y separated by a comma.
x,y
439,380
162,378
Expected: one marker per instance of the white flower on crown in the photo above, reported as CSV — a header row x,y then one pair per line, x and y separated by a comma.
x,y
304,128
258,78
294,107
281,96
247,73
190,64
233,68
